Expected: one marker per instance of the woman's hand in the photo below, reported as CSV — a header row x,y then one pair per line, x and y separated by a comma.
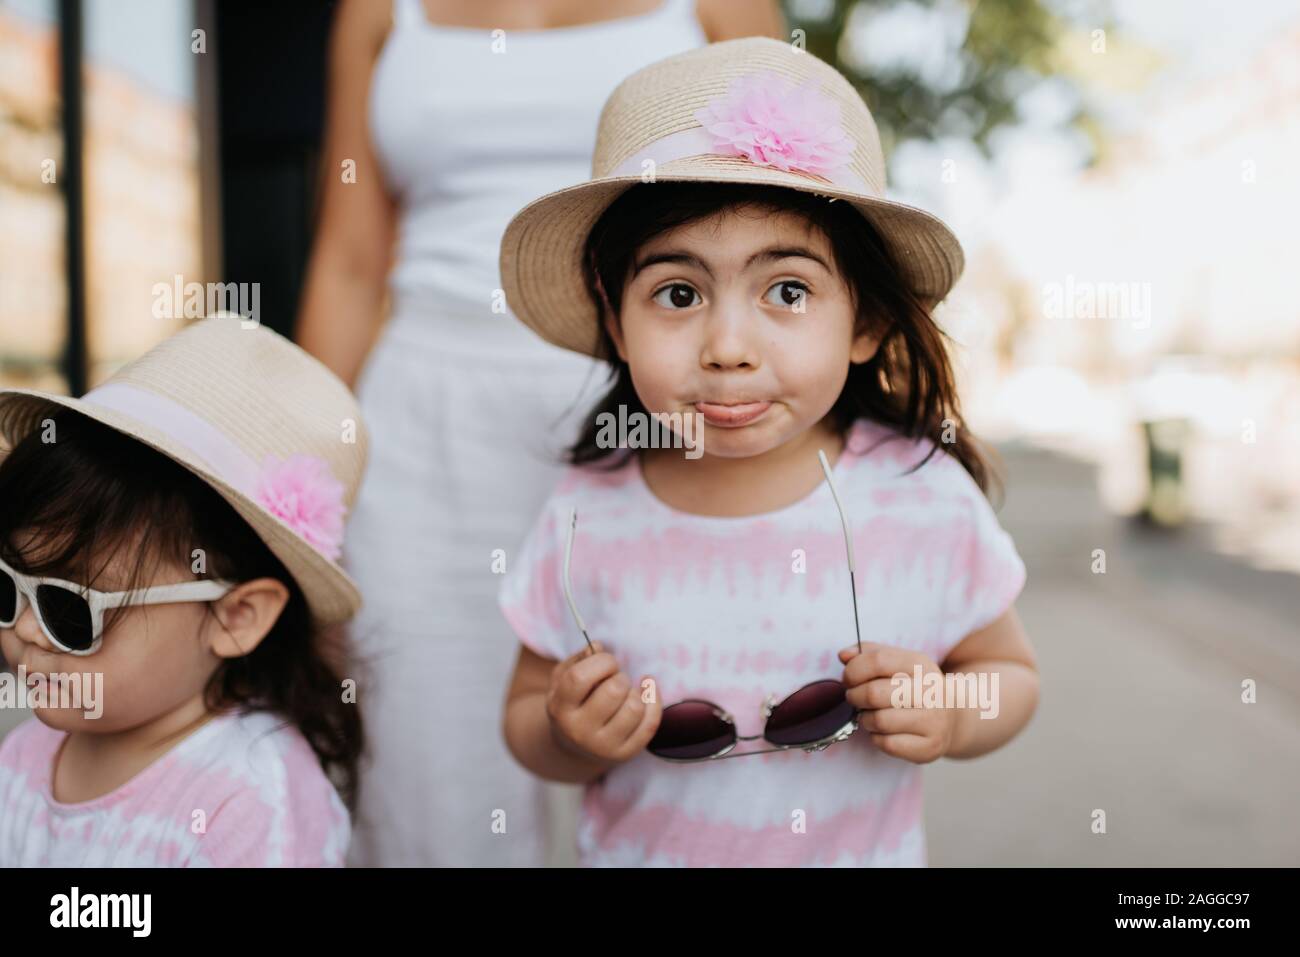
x,y
914,733
596,711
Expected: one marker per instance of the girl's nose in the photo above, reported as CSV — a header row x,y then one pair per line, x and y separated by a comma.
x,y
29,630
727,340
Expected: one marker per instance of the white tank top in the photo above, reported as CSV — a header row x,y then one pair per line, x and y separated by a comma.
x,y
466,136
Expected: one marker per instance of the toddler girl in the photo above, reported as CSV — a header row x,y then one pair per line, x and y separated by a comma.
x,y
735,262
167,572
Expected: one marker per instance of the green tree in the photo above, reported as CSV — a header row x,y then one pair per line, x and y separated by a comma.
x,y
1008,47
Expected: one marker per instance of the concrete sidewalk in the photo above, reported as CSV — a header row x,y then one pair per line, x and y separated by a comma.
x,y
1141,712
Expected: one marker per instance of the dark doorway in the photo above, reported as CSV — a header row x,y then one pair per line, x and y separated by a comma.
x,y
271,60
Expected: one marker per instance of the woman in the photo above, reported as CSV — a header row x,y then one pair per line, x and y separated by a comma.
x,y
445,117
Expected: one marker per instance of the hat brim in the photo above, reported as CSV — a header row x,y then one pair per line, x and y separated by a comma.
x,y
542,248
331,595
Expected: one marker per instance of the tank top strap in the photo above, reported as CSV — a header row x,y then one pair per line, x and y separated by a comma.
x,y
407,13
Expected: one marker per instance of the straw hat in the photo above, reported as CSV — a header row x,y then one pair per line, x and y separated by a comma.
x,y
265,424
754,110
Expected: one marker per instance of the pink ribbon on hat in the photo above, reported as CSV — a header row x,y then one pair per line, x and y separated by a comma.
x,y
768,121
301,490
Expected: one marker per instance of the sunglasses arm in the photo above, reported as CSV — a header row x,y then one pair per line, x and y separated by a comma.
x,y
568,588
848,545
207,590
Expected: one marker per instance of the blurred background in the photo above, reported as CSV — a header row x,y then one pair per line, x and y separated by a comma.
x,y
1122,177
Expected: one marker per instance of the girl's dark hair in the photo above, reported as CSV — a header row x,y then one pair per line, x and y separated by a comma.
x,y
94,491
908,385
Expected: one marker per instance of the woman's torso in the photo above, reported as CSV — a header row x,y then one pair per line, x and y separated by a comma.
x,y
470,125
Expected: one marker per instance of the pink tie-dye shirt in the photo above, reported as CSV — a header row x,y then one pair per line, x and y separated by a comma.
x,y
733,610
244,790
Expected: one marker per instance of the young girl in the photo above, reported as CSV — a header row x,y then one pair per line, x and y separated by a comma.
x,y
167,568
733,260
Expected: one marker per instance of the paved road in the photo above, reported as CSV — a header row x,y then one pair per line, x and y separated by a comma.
x,y
1141,711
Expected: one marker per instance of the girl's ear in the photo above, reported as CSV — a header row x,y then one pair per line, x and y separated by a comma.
x,y
865,344
615,330
246,614
609,316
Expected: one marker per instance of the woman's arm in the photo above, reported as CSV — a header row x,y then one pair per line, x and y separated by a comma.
x,y
732,19
341,310
1004,648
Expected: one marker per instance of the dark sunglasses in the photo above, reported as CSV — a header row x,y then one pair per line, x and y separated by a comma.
x,y
72,616
812,718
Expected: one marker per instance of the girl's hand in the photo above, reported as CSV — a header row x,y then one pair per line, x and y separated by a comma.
x,y
596,711
916,733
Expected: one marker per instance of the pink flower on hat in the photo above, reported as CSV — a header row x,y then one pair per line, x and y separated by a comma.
x,y
771,122
302,492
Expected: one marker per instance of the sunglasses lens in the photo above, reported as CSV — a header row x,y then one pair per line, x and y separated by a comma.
x,y
812,713
8,598
66,614
691,730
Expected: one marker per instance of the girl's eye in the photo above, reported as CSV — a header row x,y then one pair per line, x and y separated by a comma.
x,y
677,296
788,293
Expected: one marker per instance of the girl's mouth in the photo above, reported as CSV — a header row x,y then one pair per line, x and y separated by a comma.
x,y
732,416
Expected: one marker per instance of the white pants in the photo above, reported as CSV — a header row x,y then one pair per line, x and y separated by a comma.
x,y
465,439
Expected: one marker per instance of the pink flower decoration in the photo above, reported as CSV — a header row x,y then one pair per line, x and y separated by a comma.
x,y
771,122
303,492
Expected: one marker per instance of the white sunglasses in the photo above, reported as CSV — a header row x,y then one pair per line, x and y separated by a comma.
x,y
72,616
